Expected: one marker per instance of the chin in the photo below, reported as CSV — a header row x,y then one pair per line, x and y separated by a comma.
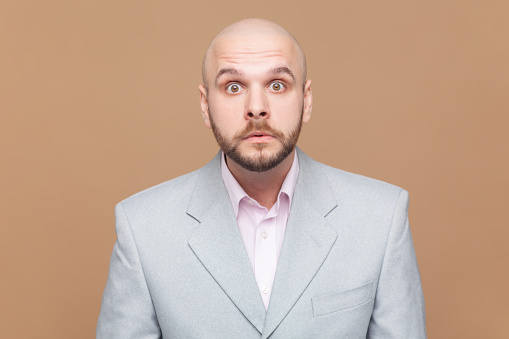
x,y
261,151
259,159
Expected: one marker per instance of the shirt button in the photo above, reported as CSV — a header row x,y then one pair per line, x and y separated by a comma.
x,y
265,290
264,235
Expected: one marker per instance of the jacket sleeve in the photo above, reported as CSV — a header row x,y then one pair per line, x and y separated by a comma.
x,y
399,302
126,310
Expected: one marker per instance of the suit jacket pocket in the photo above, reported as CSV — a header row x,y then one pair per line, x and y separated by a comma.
x,y
339,301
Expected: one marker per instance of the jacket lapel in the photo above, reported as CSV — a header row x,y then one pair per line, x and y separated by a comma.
x,y
218,244
308,240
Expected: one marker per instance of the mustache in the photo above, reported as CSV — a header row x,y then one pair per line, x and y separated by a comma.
x,y
258,126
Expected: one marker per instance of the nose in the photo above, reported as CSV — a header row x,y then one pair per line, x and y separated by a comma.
x,y
257,106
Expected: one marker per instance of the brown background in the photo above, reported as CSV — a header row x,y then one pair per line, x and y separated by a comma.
x,y
99,99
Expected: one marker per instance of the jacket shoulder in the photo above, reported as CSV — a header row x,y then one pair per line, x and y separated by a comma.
x,y
360,182
340,180
358,192
169,192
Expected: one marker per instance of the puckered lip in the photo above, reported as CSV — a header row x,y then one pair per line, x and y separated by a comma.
x,y
258,134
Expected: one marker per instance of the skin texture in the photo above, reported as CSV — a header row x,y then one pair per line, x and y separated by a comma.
x,y
255,98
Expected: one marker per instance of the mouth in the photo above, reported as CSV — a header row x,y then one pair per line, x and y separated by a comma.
x,y
259,137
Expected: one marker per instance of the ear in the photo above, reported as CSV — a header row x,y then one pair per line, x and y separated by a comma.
x,y
204,103
308,102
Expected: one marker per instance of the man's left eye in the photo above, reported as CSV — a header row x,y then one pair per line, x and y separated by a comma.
x,y
276,86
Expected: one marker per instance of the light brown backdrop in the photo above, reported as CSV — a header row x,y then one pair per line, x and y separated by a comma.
x,y
99,99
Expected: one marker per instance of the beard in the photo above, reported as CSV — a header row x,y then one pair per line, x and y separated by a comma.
x,y
261,162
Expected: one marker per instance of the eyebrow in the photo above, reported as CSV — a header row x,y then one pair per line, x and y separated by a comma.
x,y
228,71
283,69
273,71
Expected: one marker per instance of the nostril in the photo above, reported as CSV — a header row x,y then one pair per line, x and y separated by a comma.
x,y
263,114
250,114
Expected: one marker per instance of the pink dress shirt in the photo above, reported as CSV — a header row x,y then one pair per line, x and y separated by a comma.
x,y
262,231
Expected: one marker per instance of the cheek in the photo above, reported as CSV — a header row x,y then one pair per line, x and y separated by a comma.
x,y
227,117
227,107
288,110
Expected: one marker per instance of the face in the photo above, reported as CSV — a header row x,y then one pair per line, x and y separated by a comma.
x,y
256,100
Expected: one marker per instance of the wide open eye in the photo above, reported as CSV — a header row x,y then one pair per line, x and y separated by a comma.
x,y
233,88
277,86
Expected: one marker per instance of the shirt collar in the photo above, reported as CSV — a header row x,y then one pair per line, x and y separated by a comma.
x,y
237,193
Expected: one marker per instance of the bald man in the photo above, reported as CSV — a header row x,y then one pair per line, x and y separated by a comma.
x,y
262,242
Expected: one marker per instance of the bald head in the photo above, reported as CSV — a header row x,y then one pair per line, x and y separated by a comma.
x,y
253,31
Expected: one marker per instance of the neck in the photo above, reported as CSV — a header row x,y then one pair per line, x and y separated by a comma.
x,y
264,187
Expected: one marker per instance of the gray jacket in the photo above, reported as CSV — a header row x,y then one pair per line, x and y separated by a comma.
x,y
347,267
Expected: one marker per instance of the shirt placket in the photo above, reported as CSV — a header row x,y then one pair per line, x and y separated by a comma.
x,y
265,257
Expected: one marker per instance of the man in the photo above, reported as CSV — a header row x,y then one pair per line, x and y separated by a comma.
x,y
262,241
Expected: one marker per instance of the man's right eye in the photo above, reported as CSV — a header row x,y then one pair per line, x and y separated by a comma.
x,y
233,88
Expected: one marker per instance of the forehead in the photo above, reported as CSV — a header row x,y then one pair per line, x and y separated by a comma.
x,y
253,53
